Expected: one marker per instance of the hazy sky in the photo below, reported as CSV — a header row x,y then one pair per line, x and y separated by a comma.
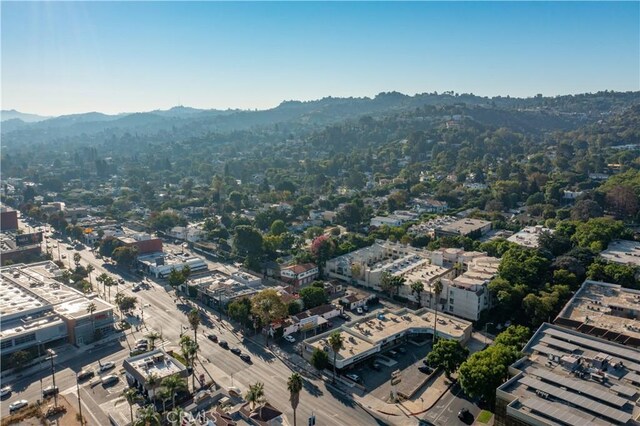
x,y
60,58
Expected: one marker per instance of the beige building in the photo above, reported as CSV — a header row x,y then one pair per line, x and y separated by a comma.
x,y
384,329
604,310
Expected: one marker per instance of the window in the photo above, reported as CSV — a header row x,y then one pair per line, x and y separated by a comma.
x,y
7,343
451,301
24,339
450,308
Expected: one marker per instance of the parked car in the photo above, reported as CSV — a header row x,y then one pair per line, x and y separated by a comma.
x,y
49,391
289,338
345,316
392,353
359,311
212,337
402,350
235,391
236,351
141,342
5,391
376,366
107,380
85,374
223,344
15,406
107,366
135,288
245,357
120,280
425,369
353,377
465,415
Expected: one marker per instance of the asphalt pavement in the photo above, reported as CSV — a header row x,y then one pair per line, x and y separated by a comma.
x,y
165,314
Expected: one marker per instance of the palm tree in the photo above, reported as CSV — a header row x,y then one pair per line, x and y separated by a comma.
x,y
173,384
91,308
151,382
148,416
294,385
189,350
255,394
76,258
336,342
90,269
132,396
417,288
437,289
118,299
194,321
152,336
164,397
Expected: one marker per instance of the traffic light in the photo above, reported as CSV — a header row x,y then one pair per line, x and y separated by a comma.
x,y
312,420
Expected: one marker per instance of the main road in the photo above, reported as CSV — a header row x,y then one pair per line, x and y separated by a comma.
x,y
165,313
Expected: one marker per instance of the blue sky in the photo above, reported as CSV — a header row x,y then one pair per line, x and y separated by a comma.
x,y
60,58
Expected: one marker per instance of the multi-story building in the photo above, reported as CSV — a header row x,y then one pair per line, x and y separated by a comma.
x,y
161,264
529,236
604,310
8,218
466,227
38,311
158,363
570,378
300,274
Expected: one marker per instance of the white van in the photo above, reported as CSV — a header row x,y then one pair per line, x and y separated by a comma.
x,y
107,380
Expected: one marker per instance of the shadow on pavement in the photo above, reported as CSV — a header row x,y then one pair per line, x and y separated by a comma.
x,y
312,388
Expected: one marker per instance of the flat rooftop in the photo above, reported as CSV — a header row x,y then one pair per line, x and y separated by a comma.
x,y
529,236
604,309
370,331
623,251
156,362
425,272
78,308
570,378
28,287
464,226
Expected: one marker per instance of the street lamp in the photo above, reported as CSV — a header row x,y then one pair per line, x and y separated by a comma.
x,y
79,401
52,354
485,333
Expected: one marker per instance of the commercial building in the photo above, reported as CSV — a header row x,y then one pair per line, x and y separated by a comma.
x,y
570,378
529,236
604,310
38,311
384,329
299,275
310,319
623,251
19,247
219,288
466,227
157,363
161,264
8,218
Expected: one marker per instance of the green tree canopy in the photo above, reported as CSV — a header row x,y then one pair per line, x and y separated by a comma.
x,y
447,354
313,296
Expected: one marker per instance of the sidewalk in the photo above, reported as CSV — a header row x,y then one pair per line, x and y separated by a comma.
x,y
405,412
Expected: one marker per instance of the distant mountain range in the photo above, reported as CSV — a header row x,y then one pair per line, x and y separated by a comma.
x,y
27,118
185,121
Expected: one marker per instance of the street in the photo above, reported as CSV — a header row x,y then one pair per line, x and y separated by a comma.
x,y
163,314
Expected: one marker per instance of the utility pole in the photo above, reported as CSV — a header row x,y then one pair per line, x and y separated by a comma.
x,y
485,333
52,355
79,400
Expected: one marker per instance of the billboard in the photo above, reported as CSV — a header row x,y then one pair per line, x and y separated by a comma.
x,y
28,239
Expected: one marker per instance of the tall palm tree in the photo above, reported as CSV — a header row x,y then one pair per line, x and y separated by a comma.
x,y
417,288
336,342
148,416
152,336
294,385
255,395
91,308
90,269
151,382
194,321
132,396
189,350
437,289
174,384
